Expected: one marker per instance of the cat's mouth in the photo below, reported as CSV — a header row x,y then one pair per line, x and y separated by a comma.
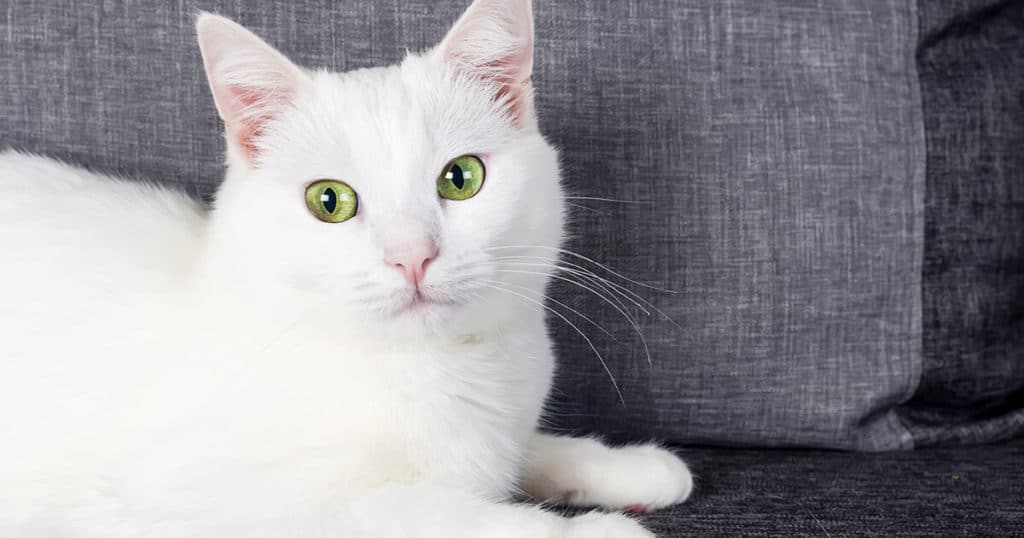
x,y
423,302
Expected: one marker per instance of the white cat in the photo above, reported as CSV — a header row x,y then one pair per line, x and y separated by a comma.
x,y
337,347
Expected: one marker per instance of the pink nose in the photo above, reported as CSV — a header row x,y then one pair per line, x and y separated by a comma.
x,y
412,259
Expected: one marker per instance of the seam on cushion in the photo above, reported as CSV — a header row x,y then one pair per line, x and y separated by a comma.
x,y
917,169
964,23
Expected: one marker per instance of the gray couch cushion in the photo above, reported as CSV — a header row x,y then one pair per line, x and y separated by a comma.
x,y
972,78
937,493
777,154
771,153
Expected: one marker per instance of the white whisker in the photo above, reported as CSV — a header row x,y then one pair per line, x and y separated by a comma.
x,y
582,257
563,305
611,286
577,329
610,200
585,208
631,295
625,313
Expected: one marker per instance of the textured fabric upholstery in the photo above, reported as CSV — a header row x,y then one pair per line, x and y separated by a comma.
x,y
776,152
937,493
972,78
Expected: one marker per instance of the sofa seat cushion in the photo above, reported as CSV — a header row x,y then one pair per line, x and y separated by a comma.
x,y
976,491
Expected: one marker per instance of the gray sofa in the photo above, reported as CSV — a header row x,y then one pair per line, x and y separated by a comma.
x,y
827,198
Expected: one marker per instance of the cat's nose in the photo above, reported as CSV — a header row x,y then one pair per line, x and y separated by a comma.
x,y
412,259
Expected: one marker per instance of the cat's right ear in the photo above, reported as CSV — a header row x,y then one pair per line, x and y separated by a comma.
x,y
493,42
252,83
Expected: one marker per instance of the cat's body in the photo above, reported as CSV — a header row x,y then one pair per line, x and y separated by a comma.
x,y
170,370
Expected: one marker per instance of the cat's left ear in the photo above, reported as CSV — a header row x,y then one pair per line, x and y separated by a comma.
x,y
493,42
252,83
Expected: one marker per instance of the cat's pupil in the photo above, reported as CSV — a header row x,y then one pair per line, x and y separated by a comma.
x,y
457,177
329,199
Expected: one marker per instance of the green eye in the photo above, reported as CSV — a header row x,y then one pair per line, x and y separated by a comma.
x,y
462,178
331,201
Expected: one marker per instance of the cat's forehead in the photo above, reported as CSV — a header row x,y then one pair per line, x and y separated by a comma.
x,y
413,109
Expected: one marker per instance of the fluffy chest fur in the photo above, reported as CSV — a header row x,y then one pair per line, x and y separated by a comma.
x,y
362,412
455,415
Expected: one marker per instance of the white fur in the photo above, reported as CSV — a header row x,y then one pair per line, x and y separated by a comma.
x,y
167,369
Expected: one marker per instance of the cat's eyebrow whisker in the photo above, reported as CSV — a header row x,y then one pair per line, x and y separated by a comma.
x,y
582,257
573,325
563,305
620,310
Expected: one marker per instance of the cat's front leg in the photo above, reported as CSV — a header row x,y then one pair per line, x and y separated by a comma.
x,y
586,472
432,512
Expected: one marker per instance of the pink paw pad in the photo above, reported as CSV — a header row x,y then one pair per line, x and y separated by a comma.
x,y
636,509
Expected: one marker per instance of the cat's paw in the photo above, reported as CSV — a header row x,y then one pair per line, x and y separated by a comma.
x,y
637,479
600,525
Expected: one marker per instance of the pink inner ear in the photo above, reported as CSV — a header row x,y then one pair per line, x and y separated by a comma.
x,y
517,95
514,88
493,42
251,82
247,117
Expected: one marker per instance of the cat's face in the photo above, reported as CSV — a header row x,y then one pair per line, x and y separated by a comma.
x,y
419,196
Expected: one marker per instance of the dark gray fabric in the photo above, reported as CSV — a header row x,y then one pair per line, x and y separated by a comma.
x,y
771,153
775,148
976,492
971,64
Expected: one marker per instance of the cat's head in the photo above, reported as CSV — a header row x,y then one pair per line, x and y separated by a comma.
x,y
420,195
